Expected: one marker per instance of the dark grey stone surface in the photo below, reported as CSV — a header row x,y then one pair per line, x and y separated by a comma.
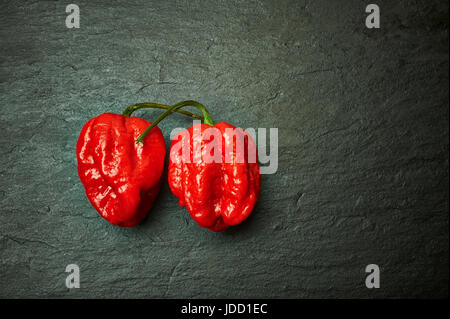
x,y
363,146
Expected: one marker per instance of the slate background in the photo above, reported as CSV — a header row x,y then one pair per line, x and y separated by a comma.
x,y
363,146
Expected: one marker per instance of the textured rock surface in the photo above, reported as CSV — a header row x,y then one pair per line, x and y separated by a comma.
x,y
363,146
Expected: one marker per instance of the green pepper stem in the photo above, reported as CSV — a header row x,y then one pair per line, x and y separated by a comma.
x,y
129,110
206,117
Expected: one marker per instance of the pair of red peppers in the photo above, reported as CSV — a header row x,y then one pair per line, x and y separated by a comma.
x,y
121,161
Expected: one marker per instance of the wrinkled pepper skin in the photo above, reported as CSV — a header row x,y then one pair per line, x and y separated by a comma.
x,y
216,195
121,178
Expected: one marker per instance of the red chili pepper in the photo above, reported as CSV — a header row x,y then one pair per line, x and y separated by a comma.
x,y
216,195
121,178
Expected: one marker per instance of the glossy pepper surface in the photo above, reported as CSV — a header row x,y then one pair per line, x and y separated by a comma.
x,y
216,195
121,178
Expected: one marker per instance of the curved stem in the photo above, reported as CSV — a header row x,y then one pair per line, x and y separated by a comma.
x,y
206,117
129,110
